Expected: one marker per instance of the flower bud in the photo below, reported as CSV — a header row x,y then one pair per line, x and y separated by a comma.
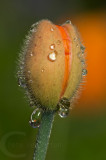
x,y
51,63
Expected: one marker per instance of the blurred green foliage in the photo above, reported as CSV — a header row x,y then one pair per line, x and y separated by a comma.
x,y
73,138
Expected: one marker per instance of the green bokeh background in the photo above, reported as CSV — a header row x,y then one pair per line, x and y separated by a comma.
x,y
78,137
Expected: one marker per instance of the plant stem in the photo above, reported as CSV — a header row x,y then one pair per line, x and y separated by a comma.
x,y
43,136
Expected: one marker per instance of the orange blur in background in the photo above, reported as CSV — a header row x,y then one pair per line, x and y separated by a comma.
x,y
92,27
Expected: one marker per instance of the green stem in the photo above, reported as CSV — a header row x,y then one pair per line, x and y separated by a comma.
x,y
43,136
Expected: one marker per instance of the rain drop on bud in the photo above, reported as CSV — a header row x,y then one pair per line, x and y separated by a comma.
x,y
63,112
52,46
84,72
21,83
52,56
68,22
63,105
82,49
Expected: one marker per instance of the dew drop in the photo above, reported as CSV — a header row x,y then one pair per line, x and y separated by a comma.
x,y
52,56
83,62
82,49
63,105
68,22
42,70
52,29
31,54
35,118
63,112
21,82
84,72
52,46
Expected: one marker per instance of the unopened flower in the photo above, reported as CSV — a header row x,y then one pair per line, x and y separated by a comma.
x,y
51,64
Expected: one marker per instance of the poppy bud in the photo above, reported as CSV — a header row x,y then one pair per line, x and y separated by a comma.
x,y
51,63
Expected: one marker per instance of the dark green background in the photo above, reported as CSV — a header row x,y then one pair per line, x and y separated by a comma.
x,y
78,137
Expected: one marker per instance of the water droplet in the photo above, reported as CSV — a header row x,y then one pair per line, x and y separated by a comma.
x,y
21,82
82,49
52,29
52,46
52,56
68,22
63,112
63,105
42,70
84,72
31,54
36,118
83,62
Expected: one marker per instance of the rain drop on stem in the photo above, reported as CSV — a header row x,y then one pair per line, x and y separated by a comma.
x,y
36,118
